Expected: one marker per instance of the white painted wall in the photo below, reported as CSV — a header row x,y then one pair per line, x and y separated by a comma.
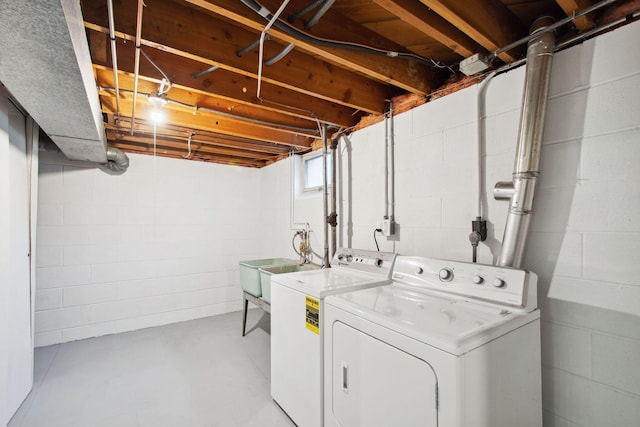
x,y
585,233
158,244
16,345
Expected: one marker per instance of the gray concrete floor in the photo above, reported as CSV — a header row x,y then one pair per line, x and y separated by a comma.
x,y
190,374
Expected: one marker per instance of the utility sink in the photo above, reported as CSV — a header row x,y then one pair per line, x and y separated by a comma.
x,y
250,276
267,272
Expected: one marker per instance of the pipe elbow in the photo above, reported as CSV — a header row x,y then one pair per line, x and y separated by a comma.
x,y
117,161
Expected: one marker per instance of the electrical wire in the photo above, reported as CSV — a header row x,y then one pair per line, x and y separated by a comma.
x,y
377,230
319,41
273,19
189,146
162,89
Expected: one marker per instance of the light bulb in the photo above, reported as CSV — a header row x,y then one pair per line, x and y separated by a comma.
x,y
157,115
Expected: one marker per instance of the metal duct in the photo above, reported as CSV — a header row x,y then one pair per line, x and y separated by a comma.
x,y
332,219
325,198
117,161
520,190
46,65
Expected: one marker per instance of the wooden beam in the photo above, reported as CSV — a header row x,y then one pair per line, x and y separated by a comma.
x,y
197,145
161,150
181,116
409,75
287,124
620,10
431,24
488,22
583,23
175,133
229,90
198,36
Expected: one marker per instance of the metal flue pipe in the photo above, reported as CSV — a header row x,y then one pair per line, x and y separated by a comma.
x,y
325,198
520,190
333,216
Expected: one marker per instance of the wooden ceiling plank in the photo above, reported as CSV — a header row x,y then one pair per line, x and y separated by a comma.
x,y
488,22
196,145
104,78
409,75
182,133
583,23
136,148
196,35
227,88
431,24
206,121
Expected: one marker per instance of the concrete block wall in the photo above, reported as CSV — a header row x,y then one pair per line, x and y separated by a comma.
x,y
585,233
158,244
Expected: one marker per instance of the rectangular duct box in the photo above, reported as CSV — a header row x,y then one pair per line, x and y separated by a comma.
x,y
474,64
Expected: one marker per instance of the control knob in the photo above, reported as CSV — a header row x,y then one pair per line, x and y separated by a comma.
x,y
340,257
478,280
445,274
498,283
378,262
349,258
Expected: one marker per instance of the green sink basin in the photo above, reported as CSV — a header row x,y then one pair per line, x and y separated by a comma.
x,y
250,276
267,272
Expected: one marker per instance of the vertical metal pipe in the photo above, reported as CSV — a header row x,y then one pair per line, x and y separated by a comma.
x,y
392,172
527,163
386,165
137,62
333,217
114,56
325,201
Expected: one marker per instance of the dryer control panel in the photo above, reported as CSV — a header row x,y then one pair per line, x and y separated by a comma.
x,y
500,285
364,260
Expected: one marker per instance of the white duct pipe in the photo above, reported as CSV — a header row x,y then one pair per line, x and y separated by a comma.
x,y
520,190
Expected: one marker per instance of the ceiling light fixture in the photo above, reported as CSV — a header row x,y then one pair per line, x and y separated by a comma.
x,y
158,100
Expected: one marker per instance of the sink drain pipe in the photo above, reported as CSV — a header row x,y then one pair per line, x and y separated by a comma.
x,y
520,191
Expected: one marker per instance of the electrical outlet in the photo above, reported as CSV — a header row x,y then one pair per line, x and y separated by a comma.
x,y
387,227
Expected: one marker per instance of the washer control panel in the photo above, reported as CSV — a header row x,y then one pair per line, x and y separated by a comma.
x,y
502,285
364,260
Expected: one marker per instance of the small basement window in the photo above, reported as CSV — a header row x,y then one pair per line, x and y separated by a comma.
x,y
312,171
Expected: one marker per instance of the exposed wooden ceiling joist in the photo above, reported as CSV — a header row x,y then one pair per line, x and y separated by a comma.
x,y
432,24
408,75
571,6
488,22
315,82
189,33
229,90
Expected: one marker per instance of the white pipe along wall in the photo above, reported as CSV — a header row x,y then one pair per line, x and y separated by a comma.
x,y
108,266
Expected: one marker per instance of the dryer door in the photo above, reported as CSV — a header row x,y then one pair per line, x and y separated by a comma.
x,y
376,384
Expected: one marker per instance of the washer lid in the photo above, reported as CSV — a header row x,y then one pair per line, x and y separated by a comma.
x,y
328,281
455,325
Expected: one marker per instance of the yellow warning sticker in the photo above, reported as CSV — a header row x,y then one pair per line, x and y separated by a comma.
x,y
313,315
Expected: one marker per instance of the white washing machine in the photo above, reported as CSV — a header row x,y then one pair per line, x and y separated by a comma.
x,y
297,311
447,344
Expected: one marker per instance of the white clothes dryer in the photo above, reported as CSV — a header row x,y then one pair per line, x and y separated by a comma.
x,y
297,311
447,344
